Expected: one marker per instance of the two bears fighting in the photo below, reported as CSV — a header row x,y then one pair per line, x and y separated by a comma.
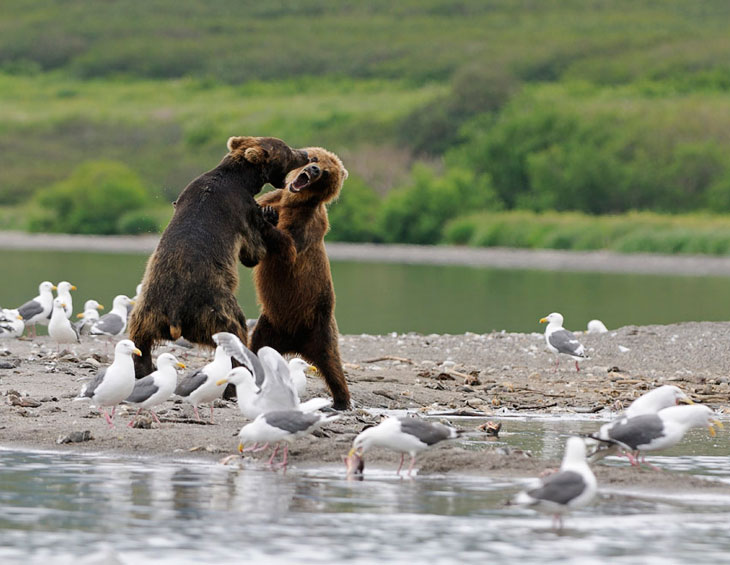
x,y
190,281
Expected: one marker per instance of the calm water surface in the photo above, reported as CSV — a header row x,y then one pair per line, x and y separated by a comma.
x,y
382,298
61,508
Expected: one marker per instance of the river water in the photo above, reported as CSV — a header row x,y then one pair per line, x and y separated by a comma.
x,y
81,509
380,298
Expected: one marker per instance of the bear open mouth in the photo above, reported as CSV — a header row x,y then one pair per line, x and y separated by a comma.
x,y
300,182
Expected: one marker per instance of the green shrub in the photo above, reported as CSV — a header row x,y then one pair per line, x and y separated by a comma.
x,y
91,200
138,222
353,216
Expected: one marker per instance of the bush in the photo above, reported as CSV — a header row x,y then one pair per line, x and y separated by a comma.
x,y
417,213
91,200
353,216
138,222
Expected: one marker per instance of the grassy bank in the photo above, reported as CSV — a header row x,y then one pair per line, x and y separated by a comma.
x,y
629,233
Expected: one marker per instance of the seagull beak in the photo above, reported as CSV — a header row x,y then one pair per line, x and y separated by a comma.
x,y
20,317
131,301
312,371
685,400
54,287
137,352
220,382
240,448
73,287
100,307
181,365
543,320
80,315
63,304
712,425
352,452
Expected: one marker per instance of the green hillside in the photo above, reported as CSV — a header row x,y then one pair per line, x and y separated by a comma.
x,y
574,105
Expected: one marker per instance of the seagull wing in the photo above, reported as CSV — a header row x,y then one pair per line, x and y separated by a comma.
x,y
90,388
109,324
190,383
560,488
143,389
277,387
565,342
235,348
30,309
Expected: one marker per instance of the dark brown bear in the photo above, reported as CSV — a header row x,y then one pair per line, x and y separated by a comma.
x,y
293,281
189,285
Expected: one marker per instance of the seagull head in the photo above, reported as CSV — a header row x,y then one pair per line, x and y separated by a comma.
x,y
65,286
46,286
58,304
126,347
239,376
575,453
168,360
299,364
121,301
554,319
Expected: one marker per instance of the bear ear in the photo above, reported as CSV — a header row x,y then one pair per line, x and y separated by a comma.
x,y
255,154
236,141
345,174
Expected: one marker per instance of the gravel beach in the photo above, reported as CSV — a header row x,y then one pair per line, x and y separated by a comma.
x,y
487,376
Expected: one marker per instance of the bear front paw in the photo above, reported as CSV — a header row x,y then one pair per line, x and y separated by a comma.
x,y
270,214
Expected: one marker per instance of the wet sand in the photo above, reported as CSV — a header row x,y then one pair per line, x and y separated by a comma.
x,y
486,376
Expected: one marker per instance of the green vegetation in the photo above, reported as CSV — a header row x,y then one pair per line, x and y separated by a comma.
x,y
438,108
629,233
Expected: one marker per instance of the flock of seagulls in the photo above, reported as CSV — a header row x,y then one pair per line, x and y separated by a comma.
x,y
269,390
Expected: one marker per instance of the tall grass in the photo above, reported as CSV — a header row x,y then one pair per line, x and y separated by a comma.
x,y
628,233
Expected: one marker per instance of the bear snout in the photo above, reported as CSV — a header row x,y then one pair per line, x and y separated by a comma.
x,y
305,178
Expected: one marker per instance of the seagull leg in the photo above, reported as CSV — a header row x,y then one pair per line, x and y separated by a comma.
x,y
262,448
211,412
108,419
402,457
652,467
577,368
271,459
155,417
410,468
133,420
197,416
286,457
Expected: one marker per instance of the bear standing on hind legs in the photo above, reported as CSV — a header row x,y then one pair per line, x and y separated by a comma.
x,y
293,282
189,285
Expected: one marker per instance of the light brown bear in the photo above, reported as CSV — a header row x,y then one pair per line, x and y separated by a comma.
x,y
293,281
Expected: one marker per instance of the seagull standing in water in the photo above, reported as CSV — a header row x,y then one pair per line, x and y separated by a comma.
x,y
404,435
573,486
156,387
38,310
560,340
114,383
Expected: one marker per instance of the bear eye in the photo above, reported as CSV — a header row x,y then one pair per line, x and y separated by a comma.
x,y
314,159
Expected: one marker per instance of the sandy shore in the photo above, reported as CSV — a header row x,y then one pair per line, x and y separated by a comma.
x,y
487,376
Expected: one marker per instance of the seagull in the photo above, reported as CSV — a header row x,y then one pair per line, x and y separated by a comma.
x,y
560,340
60,329
200,386
651,432
11,323
114,383
648,403
573,486
404,435
37,311
298,371
137,292
88,316
280,426
156,387
597,327
263,382
115,322
63,292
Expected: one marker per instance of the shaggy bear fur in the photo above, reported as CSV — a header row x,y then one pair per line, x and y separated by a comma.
x,y
189,285
293,281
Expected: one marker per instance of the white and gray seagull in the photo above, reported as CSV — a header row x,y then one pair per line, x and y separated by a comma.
x,y
651,432
114,383
11,323
38,310
155,388
263,381
403,434
559,340
63,291
200,386
88,316
573,486
280,426
115,322
60,329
